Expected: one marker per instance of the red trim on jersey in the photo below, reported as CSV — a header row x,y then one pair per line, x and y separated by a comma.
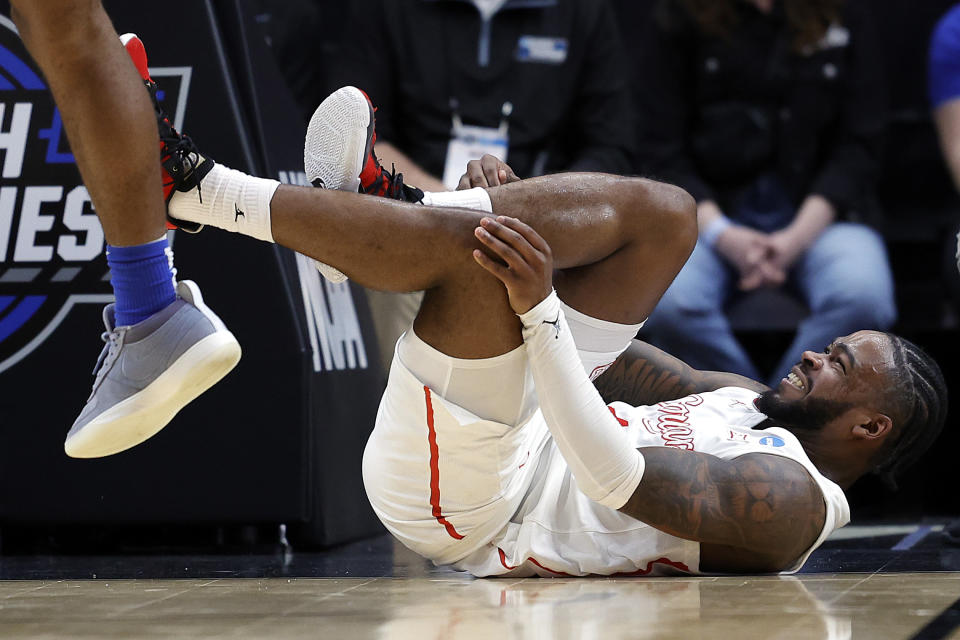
x,y
644,572
623,423
503,561
435,470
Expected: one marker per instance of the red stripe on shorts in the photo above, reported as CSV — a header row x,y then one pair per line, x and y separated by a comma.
x,y
435,470
503,561
639,572
644,572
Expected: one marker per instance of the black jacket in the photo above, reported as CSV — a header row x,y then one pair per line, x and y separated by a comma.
x,y
413,56
717,112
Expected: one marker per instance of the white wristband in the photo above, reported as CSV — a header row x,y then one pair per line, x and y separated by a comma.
x,y
714,229
477,199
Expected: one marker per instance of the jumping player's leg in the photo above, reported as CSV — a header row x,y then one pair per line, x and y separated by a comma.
x,y
176,346
106,112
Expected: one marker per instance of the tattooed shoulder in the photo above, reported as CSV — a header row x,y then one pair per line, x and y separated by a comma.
x,y
645,375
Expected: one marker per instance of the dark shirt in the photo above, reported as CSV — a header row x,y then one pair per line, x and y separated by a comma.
x,y
722,111
570,111
303,45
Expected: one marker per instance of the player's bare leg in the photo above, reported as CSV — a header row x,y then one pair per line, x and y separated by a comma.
x,y
164,346
106,112
635,232
650,227
622,264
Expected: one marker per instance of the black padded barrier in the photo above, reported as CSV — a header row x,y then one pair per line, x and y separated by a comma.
x,y
280,439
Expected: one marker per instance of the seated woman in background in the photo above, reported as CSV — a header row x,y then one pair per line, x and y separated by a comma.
x,y
771,114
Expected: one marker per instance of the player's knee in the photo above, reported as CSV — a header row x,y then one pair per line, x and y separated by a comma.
x,y
683,212
669,212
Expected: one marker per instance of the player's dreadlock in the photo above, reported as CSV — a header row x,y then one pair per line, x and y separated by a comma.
x,y
919,398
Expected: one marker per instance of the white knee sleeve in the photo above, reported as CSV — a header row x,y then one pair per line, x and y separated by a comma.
x,y
604,462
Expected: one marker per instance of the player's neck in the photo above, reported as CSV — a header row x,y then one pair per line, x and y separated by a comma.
x,y
832,461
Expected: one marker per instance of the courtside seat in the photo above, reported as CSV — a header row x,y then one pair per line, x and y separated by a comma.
x,y
766,310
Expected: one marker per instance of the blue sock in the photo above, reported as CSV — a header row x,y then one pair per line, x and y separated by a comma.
x,y
143,280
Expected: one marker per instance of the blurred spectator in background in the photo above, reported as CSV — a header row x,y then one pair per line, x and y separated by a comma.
x,y
944,89
944,85
304,45
542,84
771,114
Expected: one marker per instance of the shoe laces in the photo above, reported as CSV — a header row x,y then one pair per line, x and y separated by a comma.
x,y
382,185
181,155
113,341
389,184
183,158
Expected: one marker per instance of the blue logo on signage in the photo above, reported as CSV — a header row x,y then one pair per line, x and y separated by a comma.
x,y
51,243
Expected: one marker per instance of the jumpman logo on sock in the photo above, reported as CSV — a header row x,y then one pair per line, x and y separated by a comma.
x,y
238,213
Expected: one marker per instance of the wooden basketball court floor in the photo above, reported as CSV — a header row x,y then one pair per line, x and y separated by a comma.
x,y
868,582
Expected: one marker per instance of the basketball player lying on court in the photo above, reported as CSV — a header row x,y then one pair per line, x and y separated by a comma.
x,y
493,451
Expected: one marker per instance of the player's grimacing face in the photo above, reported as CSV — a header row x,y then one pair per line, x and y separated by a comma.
x,y
849,373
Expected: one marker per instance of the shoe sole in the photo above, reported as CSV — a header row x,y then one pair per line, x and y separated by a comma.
x,y
345,110
145,413
327,144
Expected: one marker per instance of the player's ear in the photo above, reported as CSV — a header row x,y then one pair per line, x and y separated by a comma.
x,y
875,425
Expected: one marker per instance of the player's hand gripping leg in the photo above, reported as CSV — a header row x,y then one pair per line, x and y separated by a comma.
x,y
527,263
603,461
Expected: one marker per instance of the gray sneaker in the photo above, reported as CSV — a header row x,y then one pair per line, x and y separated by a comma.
x,y
147,372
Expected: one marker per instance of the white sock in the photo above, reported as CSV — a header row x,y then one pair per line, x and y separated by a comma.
x,y
476,198
228,199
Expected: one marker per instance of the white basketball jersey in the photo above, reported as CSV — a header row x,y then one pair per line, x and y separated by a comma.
x,y
559,531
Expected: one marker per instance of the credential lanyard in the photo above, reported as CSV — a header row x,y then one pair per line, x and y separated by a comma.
x,y
471,142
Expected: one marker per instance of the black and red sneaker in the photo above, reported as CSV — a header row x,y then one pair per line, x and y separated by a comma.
x,y
376,181
338,152
182,164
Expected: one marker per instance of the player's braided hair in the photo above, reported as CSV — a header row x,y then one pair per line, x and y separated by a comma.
x,y
918,394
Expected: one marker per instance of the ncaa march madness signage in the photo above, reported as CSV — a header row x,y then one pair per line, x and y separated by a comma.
x,y
51,243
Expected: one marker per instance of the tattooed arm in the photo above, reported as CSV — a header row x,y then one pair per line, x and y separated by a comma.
x,y
645,375
755,513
